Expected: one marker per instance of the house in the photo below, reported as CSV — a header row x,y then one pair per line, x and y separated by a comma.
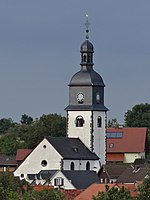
x,y
94,189
124,145
58,153
7,163
65,179
134,174
110,173
22,154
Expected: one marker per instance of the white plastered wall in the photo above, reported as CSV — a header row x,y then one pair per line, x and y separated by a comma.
x,y
81,164
99,142
80,132
32,164
99,136
130,157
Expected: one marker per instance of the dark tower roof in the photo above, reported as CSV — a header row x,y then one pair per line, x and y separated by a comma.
x,y
87,46
86,77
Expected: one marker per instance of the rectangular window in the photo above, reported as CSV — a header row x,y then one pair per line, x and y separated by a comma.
x,y
59,181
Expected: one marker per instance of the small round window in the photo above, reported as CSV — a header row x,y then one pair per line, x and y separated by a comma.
x,y
44,146
44,163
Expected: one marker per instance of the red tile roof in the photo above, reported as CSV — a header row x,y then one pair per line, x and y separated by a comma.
x,y
132,187
115,157
22,154
133,140
93,190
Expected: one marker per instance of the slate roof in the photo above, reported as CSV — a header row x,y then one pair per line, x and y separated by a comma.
x,y
71,148
6,160
43,174
114,171
81,179
133,140
133,174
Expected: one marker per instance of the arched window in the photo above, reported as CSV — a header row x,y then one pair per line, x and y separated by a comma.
x,y
72,166
89,58
88,165
99,122
79,121
84,58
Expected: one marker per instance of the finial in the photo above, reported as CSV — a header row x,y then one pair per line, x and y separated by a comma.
x,y
87,24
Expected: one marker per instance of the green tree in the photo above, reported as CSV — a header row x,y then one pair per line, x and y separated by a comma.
x,y
144,189
25,119
113,123
5,124
28,135
113,194
139,116
51,194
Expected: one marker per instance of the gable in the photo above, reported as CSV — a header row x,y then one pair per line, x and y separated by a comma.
x,y
43,157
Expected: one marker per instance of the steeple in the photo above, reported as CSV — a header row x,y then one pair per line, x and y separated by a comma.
x,y
86,112
86,49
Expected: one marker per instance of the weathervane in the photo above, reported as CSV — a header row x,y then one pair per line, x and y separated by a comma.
x,y
87,24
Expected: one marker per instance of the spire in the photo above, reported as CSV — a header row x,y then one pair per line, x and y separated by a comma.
x,y
87,24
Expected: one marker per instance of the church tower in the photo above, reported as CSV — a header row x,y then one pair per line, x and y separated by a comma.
x,y
86,113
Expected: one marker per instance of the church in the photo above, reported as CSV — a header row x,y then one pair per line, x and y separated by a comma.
x,y
84,148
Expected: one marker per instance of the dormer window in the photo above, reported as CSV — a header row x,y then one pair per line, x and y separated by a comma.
x,y
75,149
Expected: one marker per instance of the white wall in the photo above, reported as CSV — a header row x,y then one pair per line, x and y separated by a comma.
x,y
130,157
100,136
84,134
32,164
67,184
81,164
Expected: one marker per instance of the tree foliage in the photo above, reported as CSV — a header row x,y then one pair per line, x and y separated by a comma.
x,y
138,116
144,189
25,119
113,123
29,134
11,188
113,194
5,124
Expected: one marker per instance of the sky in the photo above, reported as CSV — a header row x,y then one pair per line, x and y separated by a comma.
x,y
40,52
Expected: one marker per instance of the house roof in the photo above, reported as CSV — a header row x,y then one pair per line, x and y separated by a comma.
x,y
132,187
133,174
81,179
7,160
43,174
71,148
113,171
22,154
132,140
93,190
115,157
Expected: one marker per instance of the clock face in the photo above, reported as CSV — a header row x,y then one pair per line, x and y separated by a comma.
x,y
80,97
